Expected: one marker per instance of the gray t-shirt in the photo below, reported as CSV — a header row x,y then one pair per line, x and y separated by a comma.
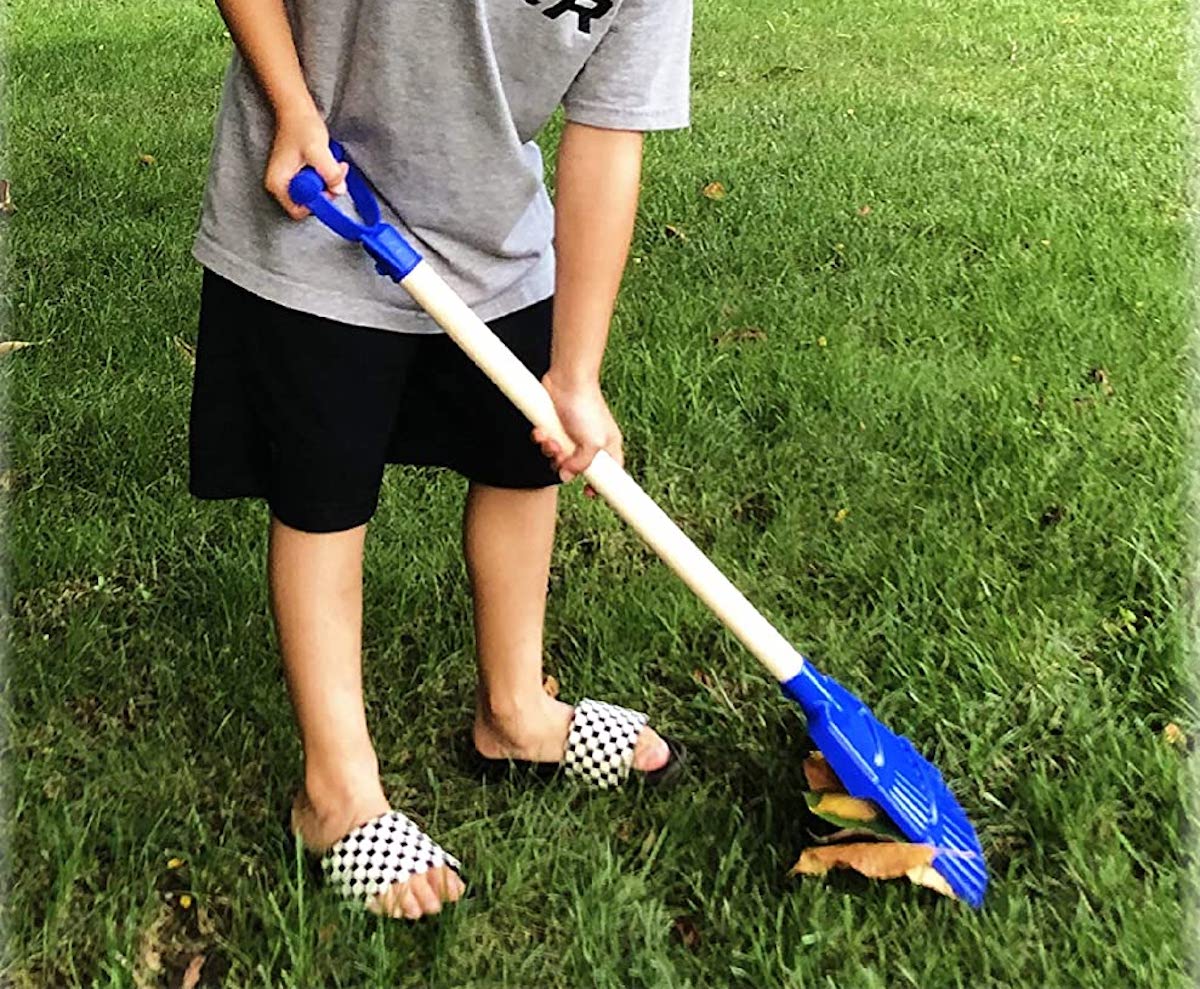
x,y
439,103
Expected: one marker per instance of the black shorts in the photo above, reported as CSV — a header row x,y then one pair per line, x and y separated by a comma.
x,y
306,411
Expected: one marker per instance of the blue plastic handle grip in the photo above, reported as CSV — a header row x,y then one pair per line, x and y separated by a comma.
x,y
394,256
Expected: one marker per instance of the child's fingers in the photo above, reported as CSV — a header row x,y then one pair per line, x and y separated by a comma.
x,y
580,459
550,448
329,168
276,182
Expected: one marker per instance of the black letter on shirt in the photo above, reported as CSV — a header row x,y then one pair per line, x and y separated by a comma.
x,y
588,10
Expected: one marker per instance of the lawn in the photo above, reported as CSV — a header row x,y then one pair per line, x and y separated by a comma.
x,y
917,382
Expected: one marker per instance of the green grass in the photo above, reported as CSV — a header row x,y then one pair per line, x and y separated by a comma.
x,y
1004,589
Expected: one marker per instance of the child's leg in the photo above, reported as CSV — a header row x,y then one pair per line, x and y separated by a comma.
x,y
508,535
316,598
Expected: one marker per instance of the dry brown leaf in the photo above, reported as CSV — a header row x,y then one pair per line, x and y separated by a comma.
x,y
325,934
550,685
820,775
714,190
191,975
674,232
1052,516
739,334
147,160
685,931
6,203
864,211
928,876
185,348
1174,735
1100,376
875,859
8,346
846,807
149,963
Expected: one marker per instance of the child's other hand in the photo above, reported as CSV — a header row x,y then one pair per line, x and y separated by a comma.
x,y
586,418
301,138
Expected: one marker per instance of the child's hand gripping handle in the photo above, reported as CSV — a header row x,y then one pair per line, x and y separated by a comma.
x,y
397,259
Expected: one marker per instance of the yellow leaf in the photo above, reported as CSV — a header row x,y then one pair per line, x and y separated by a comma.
x,y
841,516
1174,735
8,346
147,160
846,807
674,232
174,863
714,190
822,342
186,349
185,901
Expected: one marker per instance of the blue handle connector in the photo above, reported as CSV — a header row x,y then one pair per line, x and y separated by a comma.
x,y
393,255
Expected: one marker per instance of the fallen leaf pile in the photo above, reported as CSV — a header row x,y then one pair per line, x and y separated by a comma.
x,y
863,837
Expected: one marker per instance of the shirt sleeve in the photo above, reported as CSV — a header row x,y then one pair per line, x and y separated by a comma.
x,y
638,76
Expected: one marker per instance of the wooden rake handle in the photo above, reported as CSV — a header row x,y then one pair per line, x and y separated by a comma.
x,y
604,474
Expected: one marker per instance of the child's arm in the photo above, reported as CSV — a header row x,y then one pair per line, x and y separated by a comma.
x,y
635,80
263,36
595,202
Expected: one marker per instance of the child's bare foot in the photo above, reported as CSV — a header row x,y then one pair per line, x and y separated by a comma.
x,y
539,734
320,829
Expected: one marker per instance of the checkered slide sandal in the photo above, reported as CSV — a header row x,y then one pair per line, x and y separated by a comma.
x,y
387,849
599,750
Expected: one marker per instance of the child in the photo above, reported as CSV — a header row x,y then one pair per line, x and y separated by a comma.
x,y
312,372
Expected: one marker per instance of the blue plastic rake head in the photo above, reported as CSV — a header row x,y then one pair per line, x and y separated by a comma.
x,y
871,761
876,764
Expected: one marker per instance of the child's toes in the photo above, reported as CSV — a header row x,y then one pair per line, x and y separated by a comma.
x,y
386,903
409,906
423,892
651,753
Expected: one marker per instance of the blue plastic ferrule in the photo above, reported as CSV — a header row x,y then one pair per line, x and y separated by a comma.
x,y
393,255
809,688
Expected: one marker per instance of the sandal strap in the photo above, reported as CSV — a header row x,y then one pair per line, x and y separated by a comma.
x,y
601,742
387,849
